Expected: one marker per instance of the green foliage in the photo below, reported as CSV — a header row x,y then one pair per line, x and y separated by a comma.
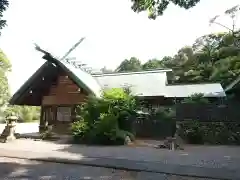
x,y
192,132
25,113
3,7
133,64
195,98
165,113
115,93
5,67
121,134
226,70
80,129
156,8
211,58
106,120
152,64
195,132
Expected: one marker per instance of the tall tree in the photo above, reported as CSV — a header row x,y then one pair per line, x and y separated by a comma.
x,y
5,67
232,13
157,7
3,7
212,57
152,64
133,64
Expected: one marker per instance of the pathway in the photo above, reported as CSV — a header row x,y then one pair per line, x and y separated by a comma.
x,y
19,169
211,161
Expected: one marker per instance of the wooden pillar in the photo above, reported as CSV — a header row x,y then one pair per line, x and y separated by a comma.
x,y
73,113
43,120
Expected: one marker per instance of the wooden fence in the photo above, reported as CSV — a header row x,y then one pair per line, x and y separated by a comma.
x,y
152,128
227,112
149,127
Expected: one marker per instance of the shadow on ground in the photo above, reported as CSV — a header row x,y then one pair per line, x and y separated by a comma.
x,y
23,169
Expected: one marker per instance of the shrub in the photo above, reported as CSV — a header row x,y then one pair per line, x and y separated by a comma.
x,y
165,113
192,132
102,121
195,98
104,130
121,134
195,132
79,130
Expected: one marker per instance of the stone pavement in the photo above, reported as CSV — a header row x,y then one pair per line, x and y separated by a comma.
x,y
213,162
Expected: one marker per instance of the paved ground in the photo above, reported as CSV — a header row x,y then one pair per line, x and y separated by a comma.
x,y
215,161
200,156
15,169
204,160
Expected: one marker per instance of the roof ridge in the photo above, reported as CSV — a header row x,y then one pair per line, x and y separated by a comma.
x,y
187,84
134,72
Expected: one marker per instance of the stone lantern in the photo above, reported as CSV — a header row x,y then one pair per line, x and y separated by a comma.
x,y
8,133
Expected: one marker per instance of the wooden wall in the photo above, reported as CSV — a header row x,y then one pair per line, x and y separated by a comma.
x,y
64,92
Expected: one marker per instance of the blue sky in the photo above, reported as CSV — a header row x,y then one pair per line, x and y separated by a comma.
x,y
113,32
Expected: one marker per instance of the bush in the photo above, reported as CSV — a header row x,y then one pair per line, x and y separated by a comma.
x,y
105,121
192,133
104,132
211,133
121,134
79,130
197,98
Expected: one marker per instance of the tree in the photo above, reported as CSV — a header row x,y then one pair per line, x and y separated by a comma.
x,y
152,64
211,58
157,7
232,13
5,67
207,45
24,113
3,7
226,70
133,64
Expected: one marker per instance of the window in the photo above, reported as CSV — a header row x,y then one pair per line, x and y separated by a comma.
x,y
64,113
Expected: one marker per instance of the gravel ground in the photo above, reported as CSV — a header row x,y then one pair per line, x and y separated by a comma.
x,y
19,169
